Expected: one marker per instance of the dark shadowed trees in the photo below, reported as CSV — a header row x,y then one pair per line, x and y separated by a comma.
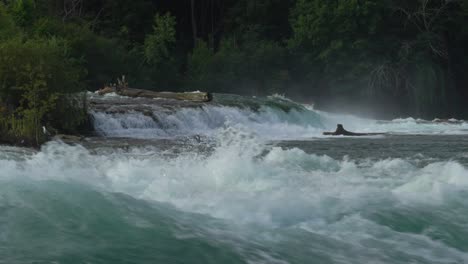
x,y
407,55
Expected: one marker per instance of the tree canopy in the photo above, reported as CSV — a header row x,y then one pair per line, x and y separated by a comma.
x,y
408,56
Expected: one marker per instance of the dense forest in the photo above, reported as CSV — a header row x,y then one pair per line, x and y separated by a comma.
x,y
397,57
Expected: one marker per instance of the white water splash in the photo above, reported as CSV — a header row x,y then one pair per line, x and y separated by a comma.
x,y
236,181
246,182
267,122
409,125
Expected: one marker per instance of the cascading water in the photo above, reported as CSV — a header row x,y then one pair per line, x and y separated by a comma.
x,y
238,197
272,118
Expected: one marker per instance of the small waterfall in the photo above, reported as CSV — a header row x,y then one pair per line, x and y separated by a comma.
x,y
274,117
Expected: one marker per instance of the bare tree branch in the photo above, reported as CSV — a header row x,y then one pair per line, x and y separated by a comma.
x,y
72,8
424,18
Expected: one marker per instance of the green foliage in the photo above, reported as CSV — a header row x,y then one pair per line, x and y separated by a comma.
x,y
34,75
267,66
23,12
267,18
129,20
159,42
340,35
254,68
383,50
199,63
158,50
103,58
407,53
7,24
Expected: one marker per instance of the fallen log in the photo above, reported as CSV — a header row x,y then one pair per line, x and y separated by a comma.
x,y
340,131
186,96
106,90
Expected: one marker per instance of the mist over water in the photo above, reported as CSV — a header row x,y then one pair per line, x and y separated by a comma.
x,y
250,197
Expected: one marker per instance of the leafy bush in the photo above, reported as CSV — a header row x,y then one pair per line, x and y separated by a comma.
x,y
256,67
7,24
37,80
23,12
158,43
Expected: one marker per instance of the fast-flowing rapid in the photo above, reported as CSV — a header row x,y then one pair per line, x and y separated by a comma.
x,y
274,117
239,180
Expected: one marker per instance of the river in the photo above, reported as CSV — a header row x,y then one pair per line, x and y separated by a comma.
x,y
239,180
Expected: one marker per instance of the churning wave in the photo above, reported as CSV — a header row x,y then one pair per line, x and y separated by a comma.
x,y
238,199
248,202
272,118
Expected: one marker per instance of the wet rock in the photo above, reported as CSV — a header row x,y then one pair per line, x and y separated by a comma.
x,y
68,138
340,131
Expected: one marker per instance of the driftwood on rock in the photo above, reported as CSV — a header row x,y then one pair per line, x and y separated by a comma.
x,y
131,92
340,131
106,90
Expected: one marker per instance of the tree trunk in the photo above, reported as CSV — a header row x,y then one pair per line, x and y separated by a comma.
x,y
188,96
194,22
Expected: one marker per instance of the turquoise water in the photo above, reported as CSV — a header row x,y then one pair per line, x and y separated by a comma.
x,y
240,194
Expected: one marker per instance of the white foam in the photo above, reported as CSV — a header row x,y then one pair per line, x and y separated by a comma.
x,y
236,181
434,182
267,122
246,182
397,126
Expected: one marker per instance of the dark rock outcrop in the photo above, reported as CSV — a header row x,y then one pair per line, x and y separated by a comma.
x,y
340,131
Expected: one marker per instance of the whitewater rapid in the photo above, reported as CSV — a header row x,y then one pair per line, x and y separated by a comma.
x,y
274,118
353,211
240,180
